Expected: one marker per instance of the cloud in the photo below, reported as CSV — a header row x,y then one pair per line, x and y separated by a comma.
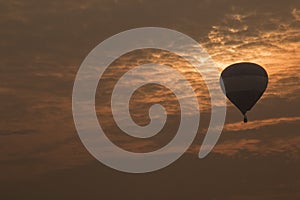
x,y
296,14
269,38
44,43
16,132
238,126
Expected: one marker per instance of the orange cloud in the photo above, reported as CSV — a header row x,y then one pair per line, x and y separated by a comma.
x,y
239,126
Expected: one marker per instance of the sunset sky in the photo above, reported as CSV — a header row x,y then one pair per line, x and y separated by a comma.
x,y
43,44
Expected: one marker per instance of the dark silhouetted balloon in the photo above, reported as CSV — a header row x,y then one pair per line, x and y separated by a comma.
x,y
244,84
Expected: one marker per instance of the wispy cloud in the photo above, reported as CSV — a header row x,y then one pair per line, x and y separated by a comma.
x,y
16,132
239,126
296,14
44,43
267,38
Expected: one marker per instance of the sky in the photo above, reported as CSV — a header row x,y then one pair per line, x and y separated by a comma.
x,y
43,44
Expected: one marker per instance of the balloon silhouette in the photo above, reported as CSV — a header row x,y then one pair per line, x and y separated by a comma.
x,y
243,84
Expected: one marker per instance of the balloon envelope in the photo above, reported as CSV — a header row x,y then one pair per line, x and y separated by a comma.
x,y
244,84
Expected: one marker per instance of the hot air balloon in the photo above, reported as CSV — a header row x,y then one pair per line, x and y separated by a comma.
x,y
243,84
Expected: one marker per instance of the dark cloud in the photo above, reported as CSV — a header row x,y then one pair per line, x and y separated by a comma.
x,y
16,132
